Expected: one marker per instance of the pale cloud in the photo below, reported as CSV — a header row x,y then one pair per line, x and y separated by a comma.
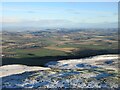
x,y
90,12
59,23
10,20
63,16
40,23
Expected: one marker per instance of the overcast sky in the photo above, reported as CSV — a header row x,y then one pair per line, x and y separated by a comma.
x,y
58,14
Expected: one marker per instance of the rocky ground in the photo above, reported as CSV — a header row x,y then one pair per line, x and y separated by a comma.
x,y
95,72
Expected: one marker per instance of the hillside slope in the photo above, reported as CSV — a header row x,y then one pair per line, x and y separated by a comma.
x,y
95,72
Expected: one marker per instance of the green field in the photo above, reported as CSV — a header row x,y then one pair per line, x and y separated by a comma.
x,y
38,52
60,43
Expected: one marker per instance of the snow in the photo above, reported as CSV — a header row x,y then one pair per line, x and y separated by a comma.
x,y
17,69
75,73
92,62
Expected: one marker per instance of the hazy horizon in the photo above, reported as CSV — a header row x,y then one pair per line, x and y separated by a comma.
x,y
60,15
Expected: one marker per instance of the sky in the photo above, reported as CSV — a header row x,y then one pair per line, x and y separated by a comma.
x,y
60,14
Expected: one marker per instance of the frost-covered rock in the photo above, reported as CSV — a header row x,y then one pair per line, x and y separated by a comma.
x,y
77,73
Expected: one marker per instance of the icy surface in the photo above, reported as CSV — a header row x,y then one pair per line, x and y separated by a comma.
x,y
90,63
16,69
91,72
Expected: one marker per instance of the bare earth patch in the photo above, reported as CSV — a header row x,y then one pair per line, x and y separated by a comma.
x,y
61,49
